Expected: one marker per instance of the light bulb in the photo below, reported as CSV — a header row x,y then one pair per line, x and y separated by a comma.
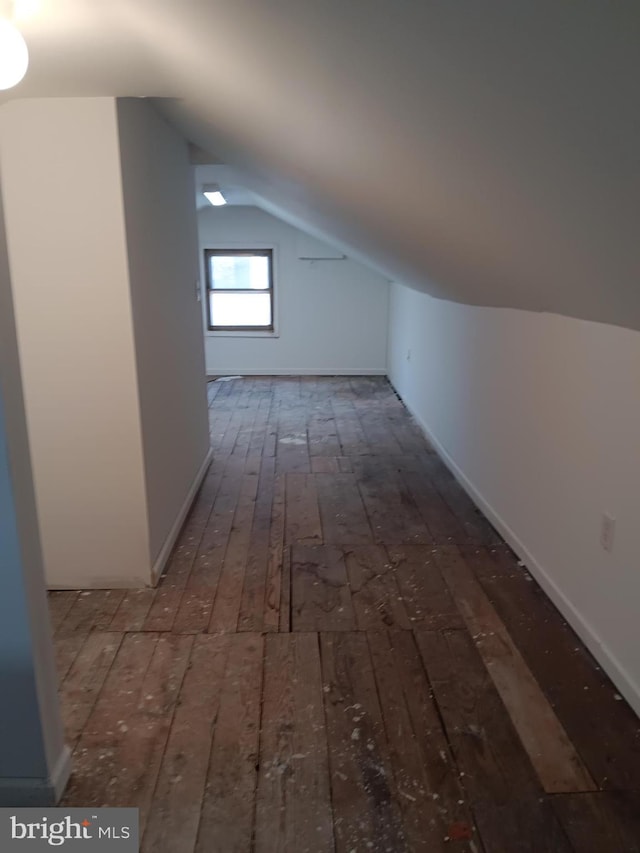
x,y
14,56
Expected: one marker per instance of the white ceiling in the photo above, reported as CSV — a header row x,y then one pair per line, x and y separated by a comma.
x,y
485,152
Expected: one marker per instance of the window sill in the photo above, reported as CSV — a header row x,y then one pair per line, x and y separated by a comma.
x,y
243,334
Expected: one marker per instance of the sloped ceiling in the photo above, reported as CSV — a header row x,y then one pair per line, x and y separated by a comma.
x,y
484,152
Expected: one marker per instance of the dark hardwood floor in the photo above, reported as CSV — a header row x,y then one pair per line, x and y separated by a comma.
x,y
343,655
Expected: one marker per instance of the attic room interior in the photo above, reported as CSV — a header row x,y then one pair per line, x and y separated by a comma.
x,y
316,495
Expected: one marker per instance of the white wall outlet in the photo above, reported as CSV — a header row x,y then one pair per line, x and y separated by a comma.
x,y
408,355
607,531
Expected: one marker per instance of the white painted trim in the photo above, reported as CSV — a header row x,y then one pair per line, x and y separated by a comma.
x,y
61,773
170,541
209,334
24,793
306,371
618,674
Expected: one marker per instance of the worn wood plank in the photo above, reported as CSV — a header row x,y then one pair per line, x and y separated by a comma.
x,y
554,757
323,435
110,604
345,465
271,437
245,414
164,609
320,596
342,513
496,562
478,529
178,569
292,446
599,822
252,604
274,584
259,431
175,812
74,629
373,422
132,611
325,465
226,608
366,811
207,563
60,603
293,810
375,595
406,431
443,525
194,612
353,441
427,788
119,754
227,817
522,826
81,616
585,702
485,744
302,525
391,509
121,691
85,680
285,592
425,596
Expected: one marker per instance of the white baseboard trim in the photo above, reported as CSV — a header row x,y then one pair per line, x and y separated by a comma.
x,y
627,686
44,793
302,371
170,541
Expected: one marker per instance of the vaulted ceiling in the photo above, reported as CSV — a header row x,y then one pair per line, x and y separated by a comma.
x,y
484,152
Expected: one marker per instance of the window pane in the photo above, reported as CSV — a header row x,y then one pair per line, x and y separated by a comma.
x,y
241,271
240,309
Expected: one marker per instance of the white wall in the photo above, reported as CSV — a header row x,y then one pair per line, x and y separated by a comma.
x,y
102,247
331,316
34,763
540,416
162,245
62,194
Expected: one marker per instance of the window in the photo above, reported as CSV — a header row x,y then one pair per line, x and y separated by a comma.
x,y
239,290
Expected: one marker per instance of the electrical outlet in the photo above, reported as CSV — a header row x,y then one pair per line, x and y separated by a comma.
x,y
408,355
607,531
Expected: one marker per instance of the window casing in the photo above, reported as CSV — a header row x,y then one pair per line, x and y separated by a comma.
x,y
239,290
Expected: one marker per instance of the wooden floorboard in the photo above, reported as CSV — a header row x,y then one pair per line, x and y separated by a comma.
x,y
341,655
375,593
177,802
483,738
344,518
320,595
551,651
365,799
251,615
228,807
294,800
608,820
430,796
554,757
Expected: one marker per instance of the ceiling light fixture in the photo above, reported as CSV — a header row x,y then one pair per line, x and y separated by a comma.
x,y
14,55
213,195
